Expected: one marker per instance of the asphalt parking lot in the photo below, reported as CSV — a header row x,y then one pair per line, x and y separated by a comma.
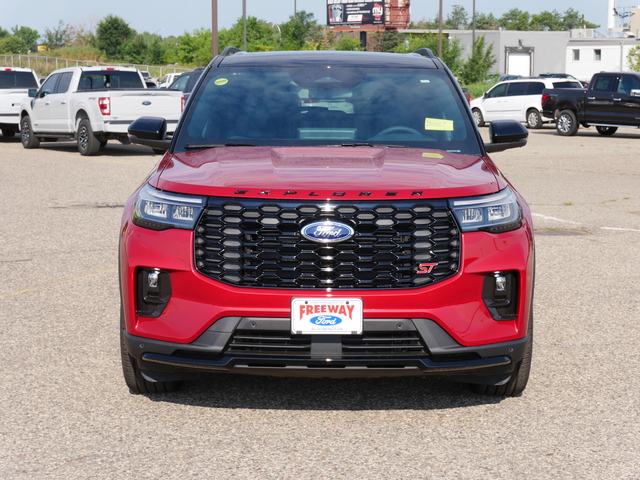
x,y
66,412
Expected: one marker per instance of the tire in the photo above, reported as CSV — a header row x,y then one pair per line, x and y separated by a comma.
x,y
132,375
518,381
26,134
88,143
606,131
8,133
534,119
567,123
478,118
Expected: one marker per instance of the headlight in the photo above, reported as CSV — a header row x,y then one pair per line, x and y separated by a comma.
x,y
159,210
496,213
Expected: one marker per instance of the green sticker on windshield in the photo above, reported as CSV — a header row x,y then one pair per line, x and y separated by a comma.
x,y
221,81
438,124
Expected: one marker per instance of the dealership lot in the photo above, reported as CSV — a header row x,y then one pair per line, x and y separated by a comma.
x,y
68,414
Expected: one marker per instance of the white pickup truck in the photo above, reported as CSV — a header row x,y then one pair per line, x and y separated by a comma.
x,y
15,83
93,105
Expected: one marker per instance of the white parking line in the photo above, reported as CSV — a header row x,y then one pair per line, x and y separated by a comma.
x,y
561,220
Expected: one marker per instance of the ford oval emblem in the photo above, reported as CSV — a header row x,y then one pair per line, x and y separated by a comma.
x,y
328,320
327,232
146,103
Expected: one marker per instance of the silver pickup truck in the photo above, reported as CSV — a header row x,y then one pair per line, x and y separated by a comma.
x,y
15,83
93,105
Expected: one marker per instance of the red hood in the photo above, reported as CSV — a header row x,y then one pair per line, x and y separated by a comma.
x,y
327,172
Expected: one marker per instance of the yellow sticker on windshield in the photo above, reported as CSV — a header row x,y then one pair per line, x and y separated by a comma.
x,y
431,155
438,124
221,81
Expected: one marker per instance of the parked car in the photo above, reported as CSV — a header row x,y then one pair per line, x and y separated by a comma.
x,y
277,238
611,101
168,79
93,105
564,75
186,81
15,83
518,99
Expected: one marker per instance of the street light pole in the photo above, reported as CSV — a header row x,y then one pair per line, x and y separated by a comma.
x,y
214,27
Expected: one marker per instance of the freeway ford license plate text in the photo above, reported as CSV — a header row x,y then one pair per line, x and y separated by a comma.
x,y
339,316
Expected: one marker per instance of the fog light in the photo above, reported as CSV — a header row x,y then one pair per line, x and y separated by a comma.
x,y
153,291
499,293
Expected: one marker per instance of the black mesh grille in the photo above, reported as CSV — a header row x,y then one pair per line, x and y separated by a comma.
x,y
272,344
257,243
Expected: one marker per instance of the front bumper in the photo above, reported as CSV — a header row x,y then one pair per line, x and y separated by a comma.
x,y
386,348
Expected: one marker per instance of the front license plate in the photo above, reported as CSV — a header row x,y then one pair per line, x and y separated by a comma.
x,y
333,316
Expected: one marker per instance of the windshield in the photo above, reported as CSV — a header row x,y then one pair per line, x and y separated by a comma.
x,y
327,106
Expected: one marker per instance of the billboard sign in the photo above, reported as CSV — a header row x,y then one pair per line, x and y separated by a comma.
x,y
350,12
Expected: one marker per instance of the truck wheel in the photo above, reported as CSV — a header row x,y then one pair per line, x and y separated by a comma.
x,y
606,131
88,144
132,375
477,117
518,381
7,133
534,119
567,123
26,134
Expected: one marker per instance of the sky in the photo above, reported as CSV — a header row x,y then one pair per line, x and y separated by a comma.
x,y
169,18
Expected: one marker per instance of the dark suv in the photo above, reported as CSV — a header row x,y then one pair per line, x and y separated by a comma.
x,y
327,214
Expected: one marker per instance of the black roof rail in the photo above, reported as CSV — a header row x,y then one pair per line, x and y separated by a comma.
x,y
229,51
425,52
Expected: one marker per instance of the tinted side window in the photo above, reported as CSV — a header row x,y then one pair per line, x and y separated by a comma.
x,y
517,89
605,84
65,81
498,91
535,88
49,85
627,84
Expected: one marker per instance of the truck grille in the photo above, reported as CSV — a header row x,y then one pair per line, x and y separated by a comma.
x,y
257,243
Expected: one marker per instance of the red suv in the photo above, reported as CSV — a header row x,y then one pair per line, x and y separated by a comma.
x,y
327,214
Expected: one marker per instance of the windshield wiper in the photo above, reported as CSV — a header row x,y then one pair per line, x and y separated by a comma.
x,y
198,146
382,145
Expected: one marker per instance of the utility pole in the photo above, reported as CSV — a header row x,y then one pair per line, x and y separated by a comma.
x,y
440,31
214,28
244,20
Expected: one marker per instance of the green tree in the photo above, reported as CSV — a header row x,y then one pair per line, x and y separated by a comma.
x,y
112,33
300,29
348,44
457,19
478,66
515,19
547,21
486,22
261,35
634,58
195,48
574,19
3,33
451,49
57,37
13,44
28,35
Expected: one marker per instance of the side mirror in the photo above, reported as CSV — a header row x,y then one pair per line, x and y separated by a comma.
x,y
486,95
505,134
149,131
32,92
